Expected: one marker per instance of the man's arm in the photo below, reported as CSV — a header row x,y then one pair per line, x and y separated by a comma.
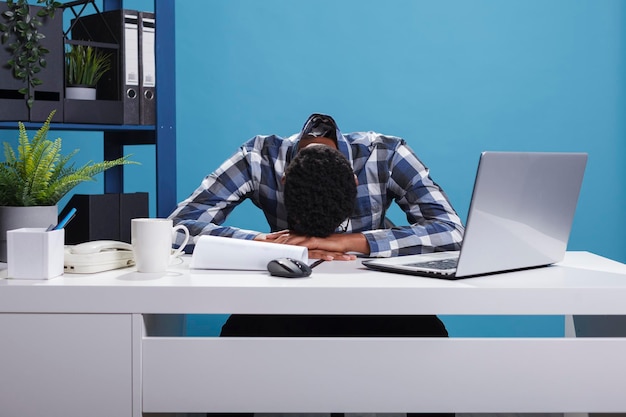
x,y
219,193
338,246
433,223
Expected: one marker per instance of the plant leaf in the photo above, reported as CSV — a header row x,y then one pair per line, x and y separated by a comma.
x,y
38,173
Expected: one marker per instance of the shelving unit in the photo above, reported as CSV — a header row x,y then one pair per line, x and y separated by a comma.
x,y
162,135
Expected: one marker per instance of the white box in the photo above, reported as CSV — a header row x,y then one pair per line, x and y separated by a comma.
x,y
34,253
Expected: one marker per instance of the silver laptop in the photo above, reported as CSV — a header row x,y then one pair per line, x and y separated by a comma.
x,y
520,217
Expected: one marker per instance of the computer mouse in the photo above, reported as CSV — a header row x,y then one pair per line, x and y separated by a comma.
x,y
288,268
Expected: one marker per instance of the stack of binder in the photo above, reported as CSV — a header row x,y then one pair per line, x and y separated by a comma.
x,y
132,79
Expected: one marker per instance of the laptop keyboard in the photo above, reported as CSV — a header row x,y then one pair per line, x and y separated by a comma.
x,y
449,263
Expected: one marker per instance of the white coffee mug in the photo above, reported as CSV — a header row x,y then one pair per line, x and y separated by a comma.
x,y
152,240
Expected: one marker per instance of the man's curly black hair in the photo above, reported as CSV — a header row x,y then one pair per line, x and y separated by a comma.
x,y
320,191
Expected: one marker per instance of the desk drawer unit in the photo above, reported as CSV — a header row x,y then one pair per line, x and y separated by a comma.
x,y
383,375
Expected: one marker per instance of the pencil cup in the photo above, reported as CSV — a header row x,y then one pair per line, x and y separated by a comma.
x,y
152,241
34,253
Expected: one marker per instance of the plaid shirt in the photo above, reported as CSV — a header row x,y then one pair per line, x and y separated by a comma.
x,y
386,168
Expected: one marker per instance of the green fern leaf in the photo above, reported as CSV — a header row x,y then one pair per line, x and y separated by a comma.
x,y
38,174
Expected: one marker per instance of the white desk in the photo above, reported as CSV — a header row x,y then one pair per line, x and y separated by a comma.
x,y
77,345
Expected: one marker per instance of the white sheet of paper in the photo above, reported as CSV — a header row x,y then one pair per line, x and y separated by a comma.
x,y
216,252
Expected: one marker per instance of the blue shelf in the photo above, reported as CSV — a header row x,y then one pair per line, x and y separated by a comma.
x,y
163,135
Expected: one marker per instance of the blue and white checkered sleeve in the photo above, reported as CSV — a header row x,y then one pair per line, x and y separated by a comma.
x,y
434,224
219,193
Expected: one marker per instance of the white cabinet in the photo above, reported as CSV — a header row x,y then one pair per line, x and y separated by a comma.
x,y
70,365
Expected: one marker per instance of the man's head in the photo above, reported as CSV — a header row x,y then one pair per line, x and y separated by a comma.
x,y
320,190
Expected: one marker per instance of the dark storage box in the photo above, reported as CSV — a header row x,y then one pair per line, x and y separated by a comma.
x,y
94,111
103,216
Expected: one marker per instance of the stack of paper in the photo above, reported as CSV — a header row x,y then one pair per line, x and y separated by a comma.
x,y
214,252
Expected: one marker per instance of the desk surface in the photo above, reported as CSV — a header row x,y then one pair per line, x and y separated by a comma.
x,y
583,283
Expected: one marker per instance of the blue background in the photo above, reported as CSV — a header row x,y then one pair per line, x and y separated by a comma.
x,y
453,78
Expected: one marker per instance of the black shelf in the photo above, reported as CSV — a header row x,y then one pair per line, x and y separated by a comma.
x,y
79,126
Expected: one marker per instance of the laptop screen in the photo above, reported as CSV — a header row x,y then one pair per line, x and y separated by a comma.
x,y
522,209
520,216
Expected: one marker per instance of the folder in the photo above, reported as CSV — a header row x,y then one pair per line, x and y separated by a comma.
x,y
147,69
120,27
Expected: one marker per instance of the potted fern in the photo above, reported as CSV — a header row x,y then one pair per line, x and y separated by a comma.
x,y
35,177
84,66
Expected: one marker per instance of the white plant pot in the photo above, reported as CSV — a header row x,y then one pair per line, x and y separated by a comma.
x,y
80,93
18,217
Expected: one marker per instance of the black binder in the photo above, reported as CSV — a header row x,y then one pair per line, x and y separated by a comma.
x,y
119,27
147,69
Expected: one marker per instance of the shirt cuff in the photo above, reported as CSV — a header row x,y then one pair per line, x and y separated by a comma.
x,y
245,234
380,244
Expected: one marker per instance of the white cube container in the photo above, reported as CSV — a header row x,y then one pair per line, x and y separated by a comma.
x,y
34,253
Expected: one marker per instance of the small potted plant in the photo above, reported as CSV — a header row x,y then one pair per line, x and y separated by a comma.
x,y
35,177
84,66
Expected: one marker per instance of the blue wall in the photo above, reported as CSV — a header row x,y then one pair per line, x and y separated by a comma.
x,y
452,77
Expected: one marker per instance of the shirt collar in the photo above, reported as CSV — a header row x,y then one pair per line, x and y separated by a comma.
x,y
342,145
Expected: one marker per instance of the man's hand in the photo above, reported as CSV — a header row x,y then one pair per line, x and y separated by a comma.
x,y
333,247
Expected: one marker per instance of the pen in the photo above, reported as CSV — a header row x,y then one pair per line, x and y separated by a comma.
x,y
69,216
